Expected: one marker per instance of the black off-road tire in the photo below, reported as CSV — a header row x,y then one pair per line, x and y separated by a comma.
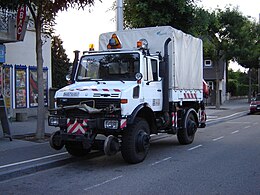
x,y
187,133
130,149
76,149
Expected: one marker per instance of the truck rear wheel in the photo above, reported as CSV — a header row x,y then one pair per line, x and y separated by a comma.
x,y
187,133
136,141
76,149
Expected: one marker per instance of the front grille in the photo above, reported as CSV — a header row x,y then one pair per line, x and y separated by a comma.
x,y
98,103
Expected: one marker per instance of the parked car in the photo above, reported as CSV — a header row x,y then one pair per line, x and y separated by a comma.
x,y
255,104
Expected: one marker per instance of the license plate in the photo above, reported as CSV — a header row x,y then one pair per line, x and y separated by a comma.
x,y
71,94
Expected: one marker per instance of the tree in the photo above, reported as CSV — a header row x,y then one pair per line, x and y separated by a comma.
x,y
60,63
243,34
43,14
176,13
226,34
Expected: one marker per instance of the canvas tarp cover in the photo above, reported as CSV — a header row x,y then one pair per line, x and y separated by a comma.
x,y
185,52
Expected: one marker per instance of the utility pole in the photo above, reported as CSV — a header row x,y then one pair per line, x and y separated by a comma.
x,y
119,15
258,65
258,75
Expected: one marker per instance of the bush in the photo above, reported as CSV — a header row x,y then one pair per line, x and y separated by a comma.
x,y
232,87
242,90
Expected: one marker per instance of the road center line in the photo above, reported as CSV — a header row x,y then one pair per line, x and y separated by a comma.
x,y
102,183
216,139
195,147
157,162
32,160
235,132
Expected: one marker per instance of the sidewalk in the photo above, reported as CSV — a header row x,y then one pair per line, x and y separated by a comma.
x,y
230,107
14,155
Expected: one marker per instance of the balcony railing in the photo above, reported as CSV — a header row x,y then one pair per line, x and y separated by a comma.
x,y
5,17
7,26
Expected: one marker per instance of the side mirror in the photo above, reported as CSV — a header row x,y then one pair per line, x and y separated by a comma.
x,y
162,72
68,76
138,76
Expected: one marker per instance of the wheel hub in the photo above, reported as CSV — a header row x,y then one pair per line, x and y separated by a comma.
x,y
191,127
143,141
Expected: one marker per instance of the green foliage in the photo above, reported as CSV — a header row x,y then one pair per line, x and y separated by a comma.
x,y
242,90
60,63
175,13
232,87
238,37
44,11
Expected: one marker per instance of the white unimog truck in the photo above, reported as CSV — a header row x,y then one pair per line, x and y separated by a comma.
x,y
141,82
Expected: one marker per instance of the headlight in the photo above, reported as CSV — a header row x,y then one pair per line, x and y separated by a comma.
x,y
53,121
111,124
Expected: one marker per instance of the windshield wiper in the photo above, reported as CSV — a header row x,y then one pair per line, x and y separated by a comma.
x,y
83,78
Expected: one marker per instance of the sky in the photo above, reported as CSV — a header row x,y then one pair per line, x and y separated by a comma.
x,y
77,28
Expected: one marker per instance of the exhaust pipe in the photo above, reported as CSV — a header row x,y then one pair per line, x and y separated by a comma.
x,y
166,77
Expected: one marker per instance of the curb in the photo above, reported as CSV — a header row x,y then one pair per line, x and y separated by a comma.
x,y
18,172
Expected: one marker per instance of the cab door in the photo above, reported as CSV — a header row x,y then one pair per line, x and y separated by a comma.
x,y
152,85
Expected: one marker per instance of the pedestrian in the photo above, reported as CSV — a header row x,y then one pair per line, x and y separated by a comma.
x,y
254,93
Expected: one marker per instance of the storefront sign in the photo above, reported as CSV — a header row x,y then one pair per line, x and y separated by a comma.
x,y
21,23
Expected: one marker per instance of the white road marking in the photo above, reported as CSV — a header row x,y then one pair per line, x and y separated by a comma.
x,y
157,162
218,138
235,132
247,127
195,147
32,160
237,122
102,183
225,116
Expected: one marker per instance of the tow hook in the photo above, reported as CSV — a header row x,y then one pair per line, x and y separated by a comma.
x,y
111,145
55,141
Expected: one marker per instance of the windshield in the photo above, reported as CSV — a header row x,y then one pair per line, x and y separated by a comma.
x,y
119,66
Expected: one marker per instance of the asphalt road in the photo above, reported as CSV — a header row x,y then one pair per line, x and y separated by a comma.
x,y
223,159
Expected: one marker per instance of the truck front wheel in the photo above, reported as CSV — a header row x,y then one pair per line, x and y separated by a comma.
x,y
136,141
187,133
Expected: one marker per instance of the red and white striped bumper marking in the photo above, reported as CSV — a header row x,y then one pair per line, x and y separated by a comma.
x,y
174,119
76,127
123,123
94,89
190,96
203,117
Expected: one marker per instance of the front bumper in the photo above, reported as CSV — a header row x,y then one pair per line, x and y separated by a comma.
x,y
83,125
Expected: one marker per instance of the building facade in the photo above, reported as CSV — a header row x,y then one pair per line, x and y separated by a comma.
x,y
213,72
18,70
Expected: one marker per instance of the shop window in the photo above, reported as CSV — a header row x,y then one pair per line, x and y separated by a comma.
x,y
33,86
